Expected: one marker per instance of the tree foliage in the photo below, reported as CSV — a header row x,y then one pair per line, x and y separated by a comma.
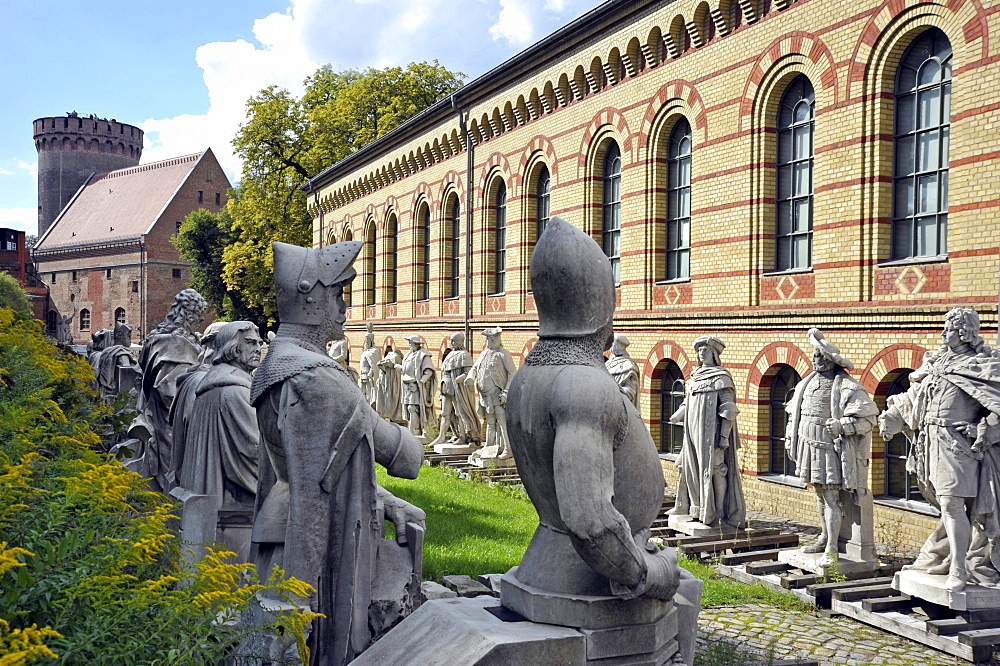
x,y
12,296
287,140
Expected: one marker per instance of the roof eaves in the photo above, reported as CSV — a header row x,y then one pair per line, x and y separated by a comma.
x,y
63,211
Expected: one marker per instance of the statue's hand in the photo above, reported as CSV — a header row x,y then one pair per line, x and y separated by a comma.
x,y
889,423
834,427
662,575
400,512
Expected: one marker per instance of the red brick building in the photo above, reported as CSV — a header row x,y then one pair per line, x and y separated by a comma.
x,y
15,260
108,256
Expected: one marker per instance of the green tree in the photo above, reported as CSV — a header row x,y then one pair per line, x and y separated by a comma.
x,y
12,296
286,141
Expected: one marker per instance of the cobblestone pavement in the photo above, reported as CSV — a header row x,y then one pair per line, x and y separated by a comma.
x,y
755,628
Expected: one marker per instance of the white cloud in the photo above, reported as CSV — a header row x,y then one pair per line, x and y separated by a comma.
x,y
4,172
471,36
23,219
30,167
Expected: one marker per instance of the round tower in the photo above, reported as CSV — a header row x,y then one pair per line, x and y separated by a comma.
x,y
72,147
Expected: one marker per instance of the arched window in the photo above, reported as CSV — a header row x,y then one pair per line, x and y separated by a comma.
x,y
500,239
899,483
923,121
369,264
85,319
120,316
349,287
611,213
52,322
390,260
454,247
543,208
781,392
678,223
793,228
424,253
671,397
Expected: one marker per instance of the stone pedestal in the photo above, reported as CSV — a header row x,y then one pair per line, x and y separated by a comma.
x,y
486,457
695,528
456,449
931,587
818,564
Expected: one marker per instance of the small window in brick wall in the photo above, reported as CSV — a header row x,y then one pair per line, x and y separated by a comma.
x,y
73,279
53,278
107,273
177,227
177,273
201,196
135,286
218,199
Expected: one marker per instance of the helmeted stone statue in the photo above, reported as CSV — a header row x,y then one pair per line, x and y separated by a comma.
x,y
458,399
623,368
166,354
951,413
419,379
389,387
221,442
491,375
828,436
370,357
710,490
586,459
319,510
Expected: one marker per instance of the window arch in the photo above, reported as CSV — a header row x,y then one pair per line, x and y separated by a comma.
x,y
677,242
921,142
543,201
794,200
671,397
52,323
611,210
453,246
500,239
391,263
423,246
780,393
120,316
85,319
368,265
349,287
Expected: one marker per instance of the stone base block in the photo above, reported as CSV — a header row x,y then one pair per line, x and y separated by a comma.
x,y
691,527
930,587
455,449
817,563
486,457
463,631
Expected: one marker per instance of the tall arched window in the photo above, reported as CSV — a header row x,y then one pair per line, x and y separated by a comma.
x,y
899,483
793,228
500,240
369,264
543,208
52,322
678,224
781,392
349,287
424,253
85,319
120,316
671,397
390,259
454,247
611,213
923,121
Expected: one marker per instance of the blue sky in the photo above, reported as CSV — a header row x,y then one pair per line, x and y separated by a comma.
x,y
182,70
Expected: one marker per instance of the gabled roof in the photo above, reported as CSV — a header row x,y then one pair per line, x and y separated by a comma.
x,y
118,206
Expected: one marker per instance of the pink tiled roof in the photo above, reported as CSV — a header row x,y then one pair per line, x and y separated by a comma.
x,y
119,205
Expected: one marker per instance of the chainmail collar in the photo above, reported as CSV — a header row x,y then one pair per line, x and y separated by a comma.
x,y
288,356
567,351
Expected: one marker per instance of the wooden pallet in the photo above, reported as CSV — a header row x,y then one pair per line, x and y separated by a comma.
x,y
740,543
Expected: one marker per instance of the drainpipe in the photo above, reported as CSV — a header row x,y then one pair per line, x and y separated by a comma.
x,y
469,160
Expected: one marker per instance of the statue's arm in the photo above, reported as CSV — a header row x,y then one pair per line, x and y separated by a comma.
x,y
860,413
727,411
397,449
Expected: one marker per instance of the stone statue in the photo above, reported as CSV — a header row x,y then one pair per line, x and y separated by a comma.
x,y
340,351
64,328
828,435
624,369
319,512
491,374
389,387
951,413
118,355
710,490
458,400
370,357
419,378
166,354
587,462
219,465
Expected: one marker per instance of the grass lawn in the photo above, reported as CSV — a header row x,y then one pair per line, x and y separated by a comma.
x,y
473,529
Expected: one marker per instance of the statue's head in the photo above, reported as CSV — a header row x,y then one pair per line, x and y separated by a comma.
x,y
573,284
415,342
238,343
619,344
457,340
492,335
123,334
709,350
310,284
185,314
962,325
826,355
369,336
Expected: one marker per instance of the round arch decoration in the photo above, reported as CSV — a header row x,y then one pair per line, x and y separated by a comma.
x,y
539,145
605,118
893,357
391,209
676,94
526,349
776,353
496,163
664,349
420,194
452,183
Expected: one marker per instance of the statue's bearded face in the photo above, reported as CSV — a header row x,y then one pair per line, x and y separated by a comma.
x,y
822,362
333,322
